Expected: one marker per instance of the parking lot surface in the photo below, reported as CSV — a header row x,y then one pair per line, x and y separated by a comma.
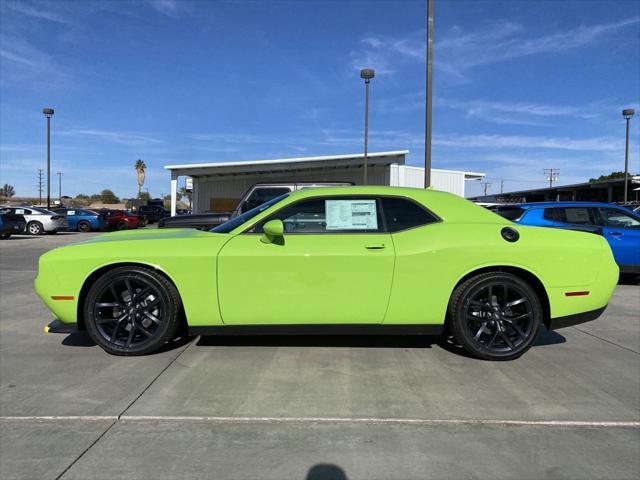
x,y
311,407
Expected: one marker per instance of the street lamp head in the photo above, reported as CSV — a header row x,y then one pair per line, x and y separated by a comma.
x,y
627,113
48,112
367,74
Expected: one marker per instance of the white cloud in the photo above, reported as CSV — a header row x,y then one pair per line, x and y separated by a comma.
x,y
170,8
597,144
123,138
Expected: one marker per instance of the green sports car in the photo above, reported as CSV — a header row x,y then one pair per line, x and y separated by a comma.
x,y
334,260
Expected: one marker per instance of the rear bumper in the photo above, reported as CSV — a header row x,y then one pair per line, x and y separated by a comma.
x,y
570,320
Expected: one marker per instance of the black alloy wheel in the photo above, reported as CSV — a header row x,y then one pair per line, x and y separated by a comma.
x,y
84,226
132,311
495,316
122,225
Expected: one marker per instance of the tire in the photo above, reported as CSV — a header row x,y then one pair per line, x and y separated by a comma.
x,y
122,225
4,236
35,228
84,227
489,326
131,324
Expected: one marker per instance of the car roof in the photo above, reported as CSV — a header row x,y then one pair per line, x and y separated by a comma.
x,y
566,204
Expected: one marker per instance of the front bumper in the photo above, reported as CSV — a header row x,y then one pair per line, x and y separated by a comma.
x,y
570,320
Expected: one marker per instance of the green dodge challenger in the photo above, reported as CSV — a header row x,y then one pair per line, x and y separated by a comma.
x,y
339,260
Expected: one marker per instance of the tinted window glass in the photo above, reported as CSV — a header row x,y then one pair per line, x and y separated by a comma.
x,y
261,195
573,215
234,223
612,217
402,214
329,215
510,213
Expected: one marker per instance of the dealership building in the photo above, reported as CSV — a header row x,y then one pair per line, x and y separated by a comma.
x,y
218,187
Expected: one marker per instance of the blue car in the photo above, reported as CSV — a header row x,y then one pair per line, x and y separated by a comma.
x,y
82,220
619,225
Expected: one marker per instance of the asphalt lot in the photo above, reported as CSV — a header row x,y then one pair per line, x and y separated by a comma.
x,y
312,408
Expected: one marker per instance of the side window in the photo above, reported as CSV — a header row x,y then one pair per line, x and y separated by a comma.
x,y
329,215
402,214
262,195
612,217
552,214
21,211
578,215
71,212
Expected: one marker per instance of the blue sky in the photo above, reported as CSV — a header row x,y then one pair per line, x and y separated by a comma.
x,y
519,86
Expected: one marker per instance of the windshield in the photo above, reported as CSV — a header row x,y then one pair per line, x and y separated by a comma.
x,y
226,227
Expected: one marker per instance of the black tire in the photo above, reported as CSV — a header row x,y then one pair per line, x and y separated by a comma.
x,y
495,316
35,228
84,226
132,311
122,225
4,236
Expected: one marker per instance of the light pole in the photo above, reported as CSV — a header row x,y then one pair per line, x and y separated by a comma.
x,y
60,187
627,113
48,112
367,74
428,102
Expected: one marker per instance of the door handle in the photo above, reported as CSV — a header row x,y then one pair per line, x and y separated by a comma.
x,y
375,247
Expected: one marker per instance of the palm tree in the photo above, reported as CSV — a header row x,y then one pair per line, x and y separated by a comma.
x,y
140,168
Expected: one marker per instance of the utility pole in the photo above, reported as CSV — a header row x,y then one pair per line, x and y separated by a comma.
x,y
501,186
486,184
366,74
627,113
60,187
39,186
48,113
429,103
552,175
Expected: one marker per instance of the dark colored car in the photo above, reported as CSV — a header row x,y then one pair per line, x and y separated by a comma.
x,y
83,220
121,219
254,197
10,223
153,213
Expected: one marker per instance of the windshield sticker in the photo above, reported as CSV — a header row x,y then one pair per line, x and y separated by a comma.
x,y
351,215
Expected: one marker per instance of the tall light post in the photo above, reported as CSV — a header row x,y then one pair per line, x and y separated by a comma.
x,y
48,112
627,113
60,187
428,103
367,74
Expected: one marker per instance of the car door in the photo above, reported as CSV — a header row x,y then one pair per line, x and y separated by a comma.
x,y
334,266
71,216
622,231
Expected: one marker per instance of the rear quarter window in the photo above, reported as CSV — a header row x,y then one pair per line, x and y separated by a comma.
x,y
402,214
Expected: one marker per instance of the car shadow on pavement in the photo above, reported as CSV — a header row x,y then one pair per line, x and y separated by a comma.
x,y
80,338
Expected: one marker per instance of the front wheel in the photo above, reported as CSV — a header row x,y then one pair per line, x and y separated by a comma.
x,y
122,225
35,228
84,227
132,311
495,316
4,236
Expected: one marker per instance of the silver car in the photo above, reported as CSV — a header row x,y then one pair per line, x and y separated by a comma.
x,y
40,220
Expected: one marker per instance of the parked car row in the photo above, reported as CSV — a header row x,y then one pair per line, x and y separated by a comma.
x,y
619,225
37,220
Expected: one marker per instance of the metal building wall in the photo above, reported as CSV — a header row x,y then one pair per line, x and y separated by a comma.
x,y
234,186
445,180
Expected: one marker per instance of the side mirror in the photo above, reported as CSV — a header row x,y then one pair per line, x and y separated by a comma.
x,y
273,232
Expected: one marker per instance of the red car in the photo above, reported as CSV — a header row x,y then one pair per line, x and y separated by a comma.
x,y
121,219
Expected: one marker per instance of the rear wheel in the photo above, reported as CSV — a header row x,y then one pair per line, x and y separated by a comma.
x,y
122,225
35,228
132,311
84,226
495,316
4,236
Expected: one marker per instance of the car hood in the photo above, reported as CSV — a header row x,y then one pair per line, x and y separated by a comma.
x,y
159,234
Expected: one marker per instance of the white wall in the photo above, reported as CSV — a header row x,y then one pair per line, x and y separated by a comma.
x,y
445,180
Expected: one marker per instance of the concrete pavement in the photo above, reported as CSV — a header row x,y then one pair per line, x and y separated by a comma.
x,y
296,407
